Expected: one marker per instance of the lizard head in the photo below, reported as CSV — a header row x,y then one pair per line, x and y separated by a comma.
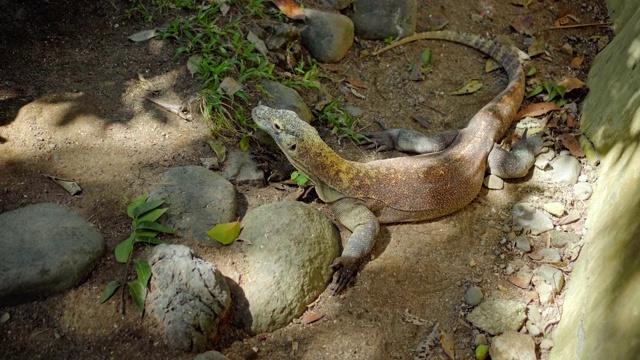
x,y
287,129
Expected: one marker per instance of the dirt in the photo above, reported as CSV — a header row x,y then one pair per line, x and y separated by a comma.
x,y
72,105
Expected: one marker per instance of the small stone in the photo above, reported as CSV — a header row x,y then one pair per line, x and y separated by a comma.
x,y
543,159
544,290
546,344
497,316
493,182
480,339
523,244
211,163
582,191
522,278
552,276
549,255
554,208
474,296
566,170
583,178
4,318
525,215
512,345
472,263
211,355
561,239
531,328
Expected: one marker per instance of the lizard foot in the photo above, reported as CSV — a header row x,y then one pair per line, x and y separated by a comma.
x,y
378,141
346,268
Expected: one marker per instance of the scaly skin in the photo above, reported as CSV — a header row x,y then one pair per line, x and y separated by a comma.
x,y
421,187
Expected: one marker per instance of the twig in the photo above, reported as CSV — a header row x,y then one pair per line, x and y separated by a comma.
x,y
114,5
576,26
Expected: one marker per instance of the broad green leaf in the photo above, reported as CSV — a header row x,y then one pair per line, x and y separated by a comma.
x,y
138,293
561,102
109,290
482,351
427,60
152,225
146,207
148,240
152,215
560,89
225,233
145,233
218,147
244,142
552,95
300,178
135,203
548,86
143,269
124,249
535,91
532,71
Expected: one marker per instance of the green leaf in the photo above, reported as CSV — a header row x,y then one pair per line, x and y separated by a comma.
x,y
552,95
218,147
146,207
135,203
300,178
148,240
532,71
152,215
152,225
225,233
124,249
560,89
548,86
562,101
244,142
482,351
145,233
138,293
427,60
535,91
143,269
109,290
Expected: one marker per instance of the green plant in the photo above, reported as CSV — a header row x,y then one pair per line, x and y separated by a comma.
x,y
305,78
145,229
555,92
299,178
340,120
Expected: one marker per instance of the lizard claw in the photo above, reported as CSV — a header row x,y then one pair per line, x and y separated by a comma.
x,y
346,268
378,141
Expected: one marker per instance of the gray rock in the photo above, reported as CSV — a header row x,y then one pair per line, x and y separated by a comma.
x,y
44,249
327,36
552,276
554,208
546,344
337,4
544,290
493,182
240,168
523,244
526,216
522,278
582,191
188,298
562,239
288,263
474,296
197,199
381,19
210,355
512,345
284,97
497,316
566,170
543,159
550,255
532,329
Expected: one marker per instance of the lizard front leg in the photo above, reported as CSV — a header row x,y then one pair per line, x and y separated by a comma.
x,y
364,227
517,162
408,141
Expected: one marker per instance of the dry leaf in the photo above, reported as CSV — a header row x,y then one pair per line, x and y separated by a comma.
x,y
546,57
537,109
577,61
572,84
290,9
523,25
561,21
356,83
421,120
469,87
573,216
447,341
570,142
571,122
536,48
491,65
350,98
311,317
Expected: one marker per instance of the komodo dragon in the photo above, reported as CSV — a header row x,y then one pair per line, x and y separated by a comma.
x,y
404,189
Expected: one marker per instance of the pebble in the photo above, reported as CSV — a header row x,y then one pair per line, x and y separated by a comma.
x,y
582,191
561,239
522,278
493,182
544,290
497,316
473,296
546,344
327,36
543,159
472,263
583,178
531,328
552,276
549,255
4,318
526,216
555,208
523,244
480,339
566,170
512,345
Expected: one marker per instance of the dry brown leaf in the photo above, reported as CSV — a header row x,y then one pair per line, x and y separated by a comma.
x,y
537,109
311,317
570,142
553,123
571,122
356,83
350,98
572,84
577,61
448,343
522,25
290,9
536,48
561,21
546,57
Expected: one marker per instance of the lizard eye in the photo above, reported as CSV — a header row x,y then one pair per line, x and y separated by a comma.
x,y
293,148
276,125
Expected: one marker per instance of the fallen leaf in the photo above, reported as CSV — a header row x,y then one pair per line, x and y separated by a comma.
x,y
218,147
523,25
421,120
290,9
546,57
570,142
572,84
535,256
571,122
225,233
577,61
311,317
523,3
71,187
469,87
564,20
553,123
447,341
144,35
229,86
356,83
350,98
491,65
536,48
193,64
537,109
573,216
